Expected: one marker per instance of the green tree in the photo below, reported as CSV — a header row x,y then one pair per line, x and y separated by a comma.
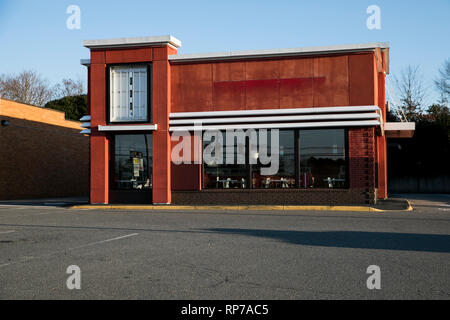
x,y
73,106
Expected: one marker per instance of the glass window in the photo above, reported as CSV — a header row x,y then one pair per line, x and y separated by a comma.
x,y
219,174
322,158
128,93
284,177
133,161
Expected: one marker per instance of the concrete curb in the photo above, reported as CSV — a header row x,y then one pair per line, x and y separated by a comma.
x,y
234,208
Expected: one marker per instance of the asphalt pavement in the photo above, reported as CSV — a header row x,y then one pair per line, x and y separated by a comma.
x,y
224,254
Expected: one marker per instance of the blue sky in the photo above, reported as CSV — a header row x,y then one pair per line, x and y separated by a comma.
x,y
33,34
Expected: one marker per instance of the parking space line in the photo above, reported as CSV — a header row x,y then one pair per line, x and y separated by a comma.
x,y
9,231
107,240
24,259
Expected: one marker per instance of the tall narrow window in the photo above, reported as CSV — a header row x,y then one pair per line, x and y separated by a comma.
x,y
128,94
132,161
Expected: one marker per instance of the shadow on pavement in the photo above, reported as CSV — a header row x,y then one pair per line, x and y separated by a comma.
x,y
53,202
352,239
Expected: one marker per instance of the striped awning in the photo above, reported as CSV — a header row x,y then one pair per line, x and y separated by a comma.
x,y
349,116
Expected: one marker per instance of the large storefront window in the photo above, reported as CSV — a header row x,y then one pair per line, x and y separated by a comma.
x,y
284,177
223,173
322,158
132,162
304,159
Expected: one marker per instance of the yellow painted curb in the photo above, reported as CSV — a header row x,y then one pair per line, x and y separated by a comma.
x,y
238,208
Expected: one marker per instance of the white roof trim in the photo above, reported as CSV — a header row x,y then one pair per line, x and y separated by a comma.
x,y
399,126
132,42
278,52
280,125
150,127
273,112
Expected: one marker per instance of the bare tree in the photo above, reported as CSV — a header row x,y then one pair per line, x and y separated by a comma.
x,y
26,87
68,88
442,83
411,91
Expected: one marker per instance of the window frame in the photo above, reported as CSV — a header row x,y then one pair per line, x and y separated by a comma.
x,y
148,66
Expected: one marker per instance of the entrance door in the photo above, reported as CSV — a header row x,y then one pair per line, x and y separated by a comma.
x,y
131,169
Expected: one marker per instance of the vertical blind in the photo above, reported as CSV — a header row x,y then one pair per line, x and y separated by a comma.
x,y
128,93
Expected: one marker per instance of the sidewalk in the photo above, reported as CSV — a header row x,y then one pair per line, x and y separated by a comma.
x,y
82,203
382,206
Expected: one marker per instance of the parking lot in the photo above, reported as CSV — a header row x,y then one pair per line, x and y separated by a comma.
x,y
224,254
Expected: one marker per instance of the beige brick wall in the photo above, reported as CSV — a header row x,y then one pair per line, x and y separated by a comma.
x,y
43,155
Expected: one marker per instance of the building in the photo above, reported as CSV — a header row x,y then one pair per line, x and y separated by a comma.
x,y
43,155
328,104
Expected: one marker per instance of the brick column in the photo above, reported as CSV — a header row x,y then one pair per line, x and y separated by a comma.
x,y
362,163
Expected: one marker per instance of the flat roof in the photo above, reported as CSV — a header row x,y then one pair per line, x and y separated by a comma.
x,y
229,55
132,42
234,55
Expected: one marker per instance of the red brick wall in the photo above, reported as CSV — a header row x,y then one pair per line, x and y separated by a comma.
x,y
361,160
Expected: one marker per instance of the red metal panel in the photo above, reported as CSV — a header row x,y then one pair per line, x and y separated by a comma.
x,y
128,55
99,168
187,176
265,93
296,84
161,138
98,95
192,87
361,79
161,167
229,95
381,145
161,53
333,89
266,69
160,105
98,57
228,71
262,94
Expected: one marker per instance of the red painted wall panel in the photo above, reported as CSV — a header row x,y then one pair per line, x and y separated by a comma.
x,y
98,94
99,148
296,84
361,79
192,88
161,138
129,55
339,80
187,176
333,90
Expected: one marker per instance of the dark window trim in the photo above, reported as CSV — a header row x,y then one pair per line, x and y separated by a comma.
x,y
149,92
